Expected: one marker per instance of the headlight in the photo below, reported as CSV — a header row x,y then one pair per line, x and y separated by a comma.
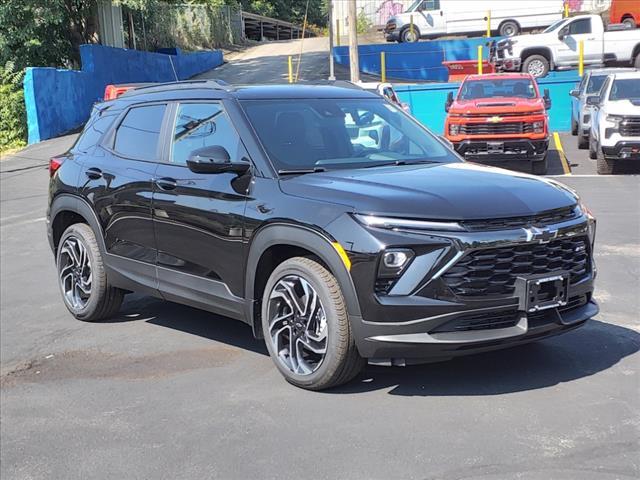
x,y
538,127
616,119
406,224
454,129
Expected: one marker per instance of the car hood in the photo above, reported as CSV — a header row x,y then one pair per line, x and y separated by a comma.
x,y
454,191
493,106
624,106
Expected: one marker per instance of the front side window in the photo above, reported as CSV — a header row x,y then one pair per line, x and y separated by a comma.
x,y
625,89
580,26
202,125
138,134
512,87
341,133
595,83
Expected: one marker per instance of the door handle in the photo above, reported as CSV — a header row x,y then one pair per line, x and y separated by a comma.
x,y
166,183
94,173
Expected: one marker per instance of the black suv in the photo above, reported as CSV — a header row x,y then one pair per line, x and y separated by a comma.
x,y
326,218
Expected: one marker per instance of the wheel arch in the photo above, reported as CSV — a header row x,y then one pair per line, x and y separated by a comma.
x,y
544,51
275,243
68,209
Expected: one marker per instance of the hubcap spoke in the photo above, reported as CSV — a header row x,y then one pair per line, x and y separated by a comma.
x,y
74,271
297,325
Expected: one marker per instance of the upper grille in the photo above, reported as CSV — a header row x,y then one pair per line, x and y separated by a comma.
x,y
543,219
505,128
630,127
493,271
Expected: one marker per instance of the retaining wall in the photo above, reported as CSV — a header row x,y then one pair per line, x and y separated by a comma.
x,y
58,101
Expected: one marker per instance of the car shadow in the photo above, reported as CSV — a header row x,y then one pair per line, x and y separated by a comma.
x,y
577,354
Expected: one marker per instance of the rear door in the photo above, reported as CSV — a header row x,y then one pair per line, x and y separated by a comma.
x,y
119,184
199,218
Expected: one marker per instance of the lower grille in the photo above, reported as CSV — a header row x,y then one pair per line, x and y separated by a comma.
x,y
480,321
494,271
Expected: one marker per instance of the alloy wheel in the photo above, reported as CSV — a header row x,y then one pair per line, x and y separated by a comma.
x,y
536,68
74,271
297,325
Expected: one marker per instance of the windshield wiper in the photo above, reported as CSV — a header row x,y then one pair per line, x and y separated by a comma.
x,y
301,171
400,162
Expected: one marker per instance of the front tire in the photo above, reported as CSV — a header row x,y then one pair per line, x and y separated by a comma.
x,y
603,166
536,65
592,148
407,37
539,167
583,142
306,327
82,278
574,126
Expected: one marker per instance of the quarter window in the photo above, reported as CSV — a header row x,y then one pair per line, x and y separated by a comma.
x,y
138,134
201,125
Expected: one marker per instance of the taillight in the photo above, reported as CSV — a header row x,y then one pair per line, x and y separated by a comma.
x,y
54,164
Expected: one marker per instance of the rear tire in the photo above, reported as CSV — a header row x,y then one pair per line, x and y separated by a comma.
x,y
629,21
583,142
297,281
604,166
82,277
509,28
536,65
539,167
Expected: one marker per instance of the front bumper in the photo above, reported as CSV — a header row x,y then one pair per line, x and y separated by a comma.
x,y
426,317
512,149
624,150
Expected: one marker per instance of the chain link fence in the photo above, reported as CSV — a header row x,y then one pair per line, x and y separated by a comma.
x,y
188,27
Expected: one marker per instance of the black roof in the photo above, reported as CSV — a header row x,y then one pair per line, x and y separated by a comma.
x,y
218,89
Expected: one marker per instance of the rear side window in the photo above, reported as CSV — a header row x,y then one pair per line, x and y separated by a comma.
x,y
93,131
138,134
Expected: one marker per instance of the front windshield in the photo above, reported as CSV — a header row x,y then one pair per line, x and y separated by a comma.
x,y
595,83
553,26
625,89
318,134
510,87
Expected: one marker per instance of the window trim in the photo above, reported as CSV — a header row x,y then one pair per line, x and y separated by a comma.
x,y
109,138
575,22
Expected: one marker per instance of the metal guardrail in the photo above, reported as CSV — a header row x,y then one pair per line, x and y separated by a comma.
x,y
259,27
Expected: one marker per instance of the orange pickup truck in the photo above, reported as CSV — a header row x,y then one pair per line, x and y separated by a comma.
x,y
500,117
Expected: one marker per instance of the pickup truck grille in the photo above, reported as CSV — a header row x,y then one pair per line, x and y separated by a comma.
x,y
493,271
630,127
505,128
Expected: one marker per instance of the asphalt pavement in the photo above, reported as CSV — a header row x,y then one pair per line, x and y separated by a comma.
x,y
166,391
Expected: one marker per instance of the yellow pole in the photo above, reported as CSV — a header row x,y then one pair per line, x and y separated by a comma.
x,y
479,59
290,70
581,57
337,32
566,9
411,25
383,68
488,23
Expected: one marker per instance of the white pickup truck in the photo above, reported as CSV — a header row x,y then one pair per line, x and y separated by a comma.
x,y
557,47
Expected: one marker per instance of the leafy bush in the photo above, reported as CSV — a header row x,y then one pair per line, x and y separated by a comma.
x,y
13,132
363,25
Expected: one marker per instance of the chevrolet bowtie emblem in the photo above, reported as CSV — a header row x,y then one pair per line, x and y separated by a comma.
x,y
495,119
541,235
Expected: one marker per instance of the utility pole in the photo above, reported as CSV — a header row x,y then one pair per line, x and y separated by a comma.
x,y
353,42
332,75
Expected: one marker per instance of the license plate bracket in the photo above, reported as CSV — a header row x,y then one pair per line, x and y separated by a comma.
x,y
542,292
495,147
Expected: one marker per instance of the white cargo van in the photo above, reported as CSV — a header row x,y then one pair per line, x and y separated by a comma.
x,y
433,18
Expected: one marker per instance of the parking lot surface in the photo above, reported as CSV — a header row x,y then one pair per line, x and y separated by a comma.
x,y
166,391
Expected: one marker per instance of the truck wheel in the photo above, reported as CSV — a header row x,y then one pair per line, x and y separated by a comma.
x,y
603,166
536,65
574,126
509,28
592,148
539,167
83,282
306,327
636,63
583,142
629,21
408,37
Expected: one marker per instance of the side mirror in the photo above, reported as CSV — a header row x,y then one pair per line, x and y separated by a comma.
x,y
593,100
214,159
547,99
449,101
574,93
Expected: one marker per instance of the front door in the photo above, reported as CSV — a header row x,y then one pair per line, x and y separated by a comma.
x,y
199,218
579,30
430,18
119,184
